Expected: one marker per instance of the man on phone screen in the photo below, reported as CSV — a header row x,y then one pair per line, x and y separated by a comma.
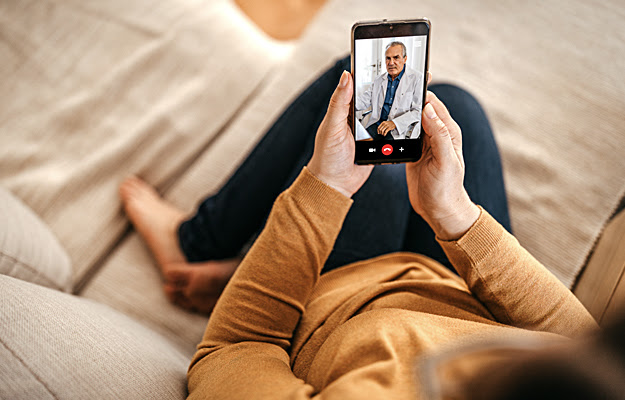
x,y
394,98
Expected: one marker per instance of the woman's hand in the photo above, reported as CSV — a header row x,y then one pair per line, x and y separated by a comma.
x,y
435,182
333,158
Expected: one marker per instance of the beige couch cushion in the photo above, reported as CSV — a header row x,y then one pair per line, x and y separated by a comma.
x,y
58,346
96,90
131,283
28,250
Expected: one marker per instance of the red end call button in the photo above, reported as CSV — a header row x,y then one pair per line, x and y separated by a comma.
x,y
387,149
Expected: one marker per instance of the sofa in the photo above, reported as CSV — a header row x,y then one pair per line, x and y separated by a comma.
x,y
178,92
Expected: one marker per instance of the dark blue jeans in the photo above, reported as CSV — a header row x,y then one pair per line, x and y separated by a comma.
x,y
381,219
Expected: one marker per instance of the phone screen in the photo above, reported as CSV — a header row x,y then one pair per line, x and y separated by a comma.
x,y
389,61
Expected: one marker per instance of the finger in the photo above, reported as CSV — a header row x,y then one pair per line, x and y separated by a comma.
x,y
429,77
428,96
445,116
438,134
441,110
338,109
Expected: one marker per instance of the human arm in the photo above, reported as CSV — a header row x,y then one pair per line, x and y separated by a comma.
x,y
244,350
516,288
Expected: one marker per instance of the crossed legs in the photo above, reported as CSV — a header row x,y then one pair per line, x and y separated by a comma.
x,y
198,254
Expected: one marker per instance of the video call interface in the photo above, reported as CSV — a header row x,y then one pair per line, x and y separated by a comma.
x,y
389,87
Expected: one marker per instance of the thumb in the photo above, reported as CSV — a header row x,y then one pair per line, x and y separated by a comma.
x,y
338,109
440,139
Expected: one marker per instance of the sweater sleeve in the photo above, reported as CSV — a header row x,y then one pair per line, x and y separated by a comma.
x,y
244,350
512,284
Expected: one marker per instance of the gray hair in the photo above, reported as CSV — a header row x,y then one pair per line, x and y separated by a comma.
x,y
403,46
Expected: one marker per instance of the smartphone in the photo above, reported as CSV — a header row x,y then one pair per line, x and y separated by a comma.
x,y
389,63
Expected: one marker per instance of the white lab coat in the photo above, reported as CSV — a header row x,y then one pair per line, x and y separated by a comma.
x,y
405,111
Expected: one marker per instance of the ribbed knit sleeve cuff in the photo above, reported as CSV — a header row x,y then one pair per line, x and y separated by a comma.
x,y
318,197
476,244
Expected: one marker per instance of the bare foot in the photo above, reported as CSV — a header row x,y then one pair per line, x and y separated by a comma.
x,y
155,219
194,286
197,286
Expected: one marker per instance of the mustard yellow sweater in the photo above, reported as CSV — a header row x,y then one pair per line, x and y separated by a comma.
x,y
280,331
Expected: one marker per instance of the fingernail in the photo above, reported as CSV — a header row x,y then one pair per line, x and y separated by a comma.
x,y
429,111
343,81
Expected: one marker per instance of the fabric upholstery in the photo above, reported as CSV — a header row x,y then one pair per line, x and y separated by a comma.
x,y
131,283
58,346
95,91
28,249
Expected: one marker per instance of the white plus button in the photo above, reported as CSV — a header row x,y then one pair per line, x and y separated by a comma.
x,y
401,149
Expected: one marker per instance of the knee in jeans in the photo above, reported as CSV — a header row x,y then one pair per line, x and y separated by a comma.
x,y
344,64
448,92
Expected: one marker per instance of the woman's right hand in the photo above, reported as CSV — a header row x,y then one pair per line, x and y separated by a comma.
x,y
435,182
333,158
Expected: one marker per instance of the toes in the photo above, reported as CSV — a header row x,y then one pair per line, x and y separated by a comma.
x,y
133,187
177,297
126,188
129,191
172,292
138,198
177,275
141,187
195,287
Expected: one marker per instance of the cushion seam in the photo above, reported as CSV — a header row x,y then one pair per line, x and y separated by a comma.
x,y
28,369
30,268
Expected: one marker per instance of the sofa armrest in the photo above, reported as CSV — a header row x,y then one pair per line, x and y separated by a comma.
x,y
601,285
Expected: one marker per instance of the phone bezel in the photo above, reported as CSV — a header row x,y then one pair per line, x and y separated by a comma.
x,y
381,29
